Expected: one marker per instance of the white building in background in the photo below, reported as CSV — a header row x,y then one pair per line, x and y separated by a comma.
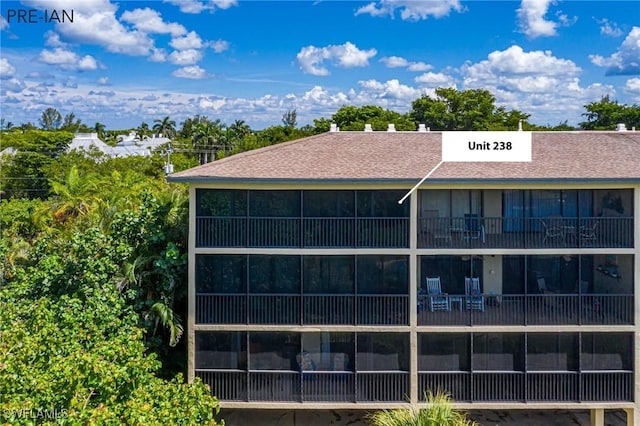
x,y
127,145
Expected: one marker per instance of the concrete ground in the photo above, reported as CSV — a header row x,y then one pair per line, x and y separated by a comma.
x,y
358,418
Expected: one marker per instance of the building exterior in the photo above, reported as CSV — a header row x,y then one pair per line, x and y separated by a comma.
x,y
509,285
127,145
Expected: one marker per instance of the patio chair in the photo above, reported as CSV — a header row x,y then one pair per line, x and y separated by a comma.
x,y
473,229
473,294
438,301
551,232
588,235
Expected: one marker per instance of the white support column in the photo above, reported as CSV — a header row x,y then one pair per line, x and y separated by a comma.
x,y
413,297
636,302
632,417
191,288
597,417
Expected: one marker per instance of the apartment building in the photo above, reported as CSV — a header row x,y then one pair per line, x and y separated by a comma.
x,y
508,285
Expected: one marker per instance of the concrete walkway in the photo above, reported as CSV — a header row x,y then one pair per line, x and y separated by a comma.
x,y
358,418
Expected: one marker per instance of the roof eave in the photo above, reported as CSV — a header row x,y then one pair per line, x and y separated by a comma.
x,y
217,180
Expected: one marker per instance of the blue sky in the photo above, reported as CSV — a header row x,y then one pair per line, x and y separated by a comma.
x,y
125,62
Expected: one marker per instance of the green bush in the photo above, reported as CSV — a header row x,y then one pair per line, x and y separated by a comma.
x,y
438,412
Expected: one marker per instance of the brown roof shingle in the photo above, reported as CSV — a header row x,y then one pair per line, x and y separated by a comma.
x,y
408,156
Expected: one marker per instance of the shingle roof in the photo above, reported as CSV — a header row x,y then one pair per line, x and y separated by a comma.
x,y
408,156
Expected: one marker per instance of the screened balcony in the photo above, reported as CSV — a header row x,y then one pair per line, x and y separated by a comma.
x,y
304,219
531,367
525,219
307,367
527,290
305,290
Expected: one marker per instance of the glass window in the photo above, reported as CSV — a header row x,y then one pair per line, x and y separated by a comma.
x,y
274,203
443,352
329,274
552,352
274,274
382,204
221,350
329,203
221,202
330,351
221,273
498,352
378,274
382,352
607,351
273,351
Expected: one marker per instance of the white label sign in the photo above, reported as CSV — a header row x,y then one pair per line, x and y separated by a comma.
x,y
486,146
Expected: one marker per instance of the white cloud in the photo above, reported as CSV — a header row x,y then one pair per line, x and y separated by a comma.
x,y
67,59
219,46
185,57
347,55
394,62
411,10
190,41
514,61
531,17
633,85
400,62
6,69
389,89
103,81
626,61
536,82
150,21
435,79
193,72
196,6
158,55
95,22
609,28
3,23
87,63
53,39
419,66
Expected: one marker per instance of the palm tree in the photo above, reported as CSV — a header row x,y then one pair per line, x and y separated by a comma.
x,y
204,138
76,196
166,127
142,130
99,128
240,129
438,412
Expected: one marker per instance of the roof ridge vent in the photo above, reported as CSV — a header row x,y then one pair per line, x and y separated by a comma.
x,y
620,127
422,128
391,128
367,128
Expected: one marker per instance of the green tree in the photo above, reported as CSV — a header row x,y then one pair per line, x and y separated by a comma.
x,y
354,118
165,127
472,109
71,124
100,129
240,129
606,114
50,119
5,125
69,341
142,130
290,119
438,412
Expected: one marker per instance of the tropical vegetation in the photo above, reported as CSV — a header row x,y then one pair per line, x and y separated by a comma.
x,y
437,412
